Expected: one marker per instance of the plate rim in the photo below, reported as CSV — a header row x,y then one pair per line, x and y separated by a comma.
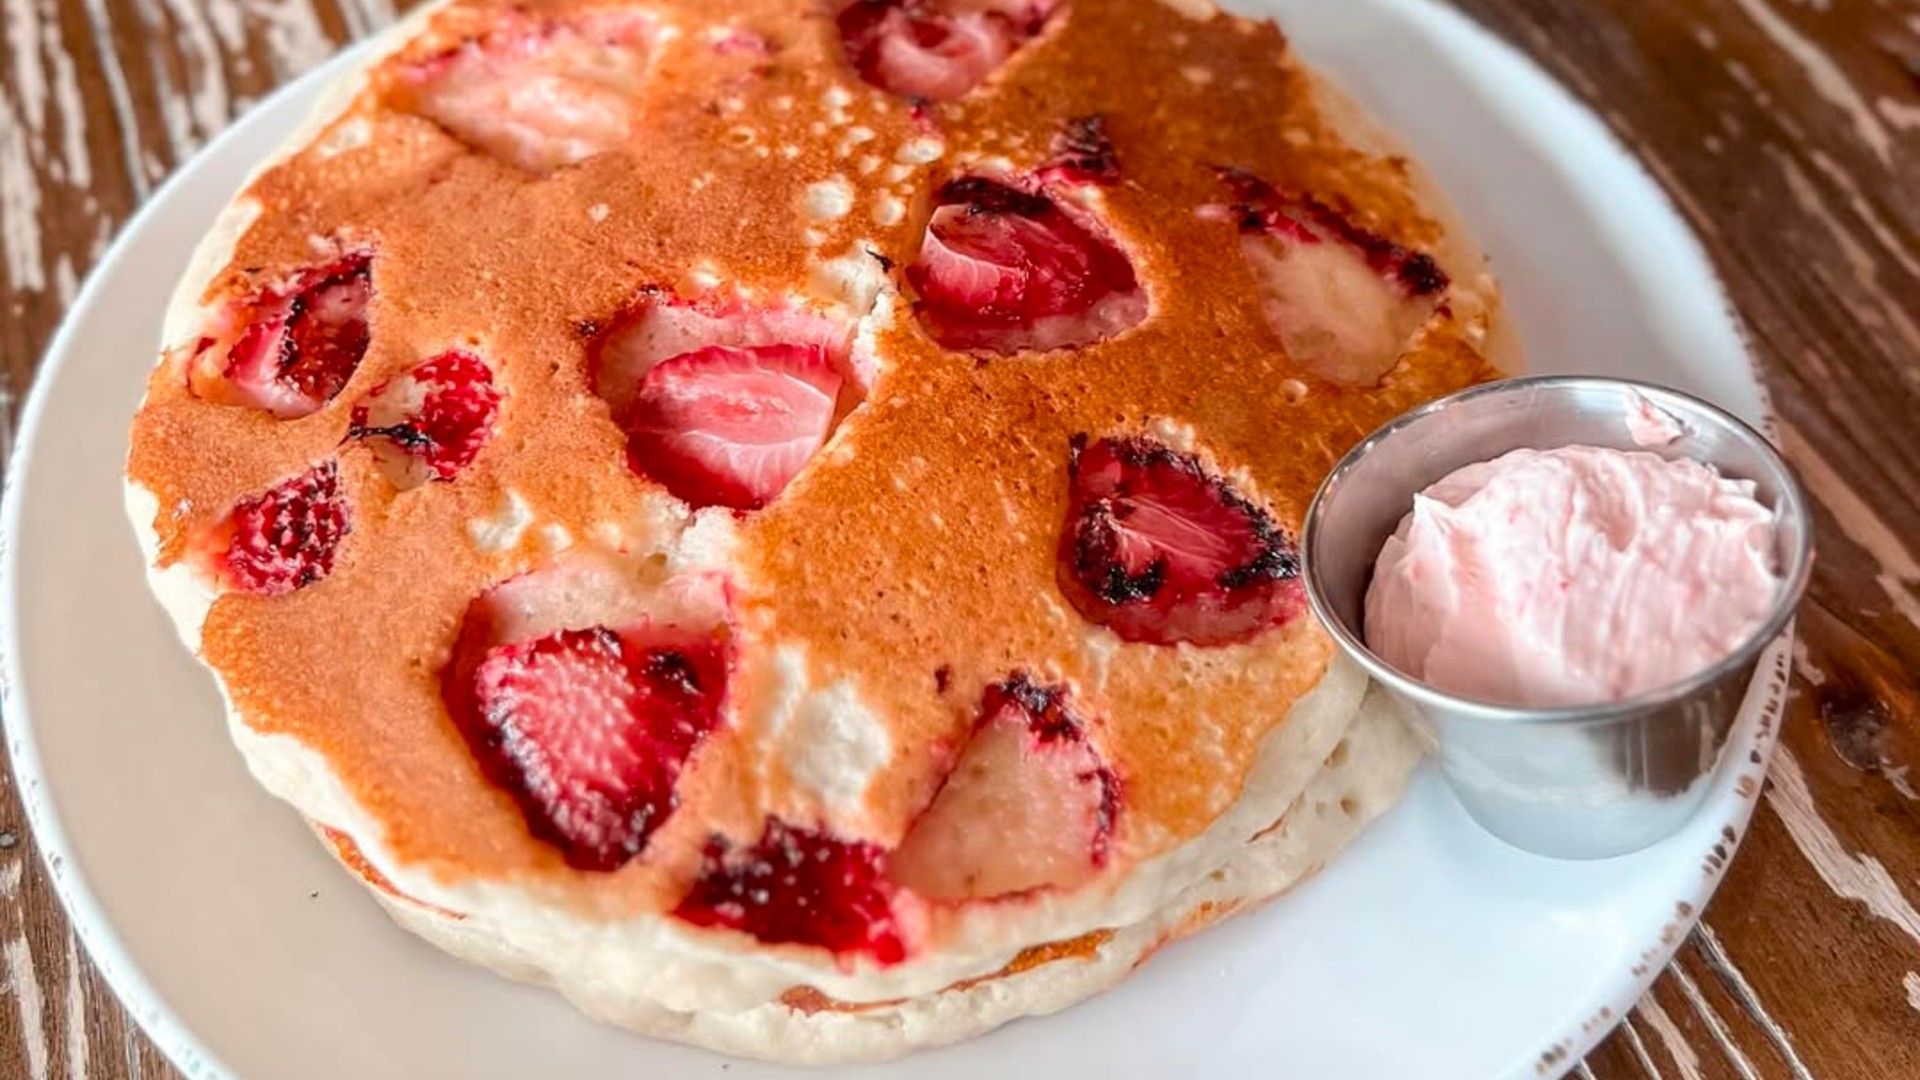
x,y
188,1052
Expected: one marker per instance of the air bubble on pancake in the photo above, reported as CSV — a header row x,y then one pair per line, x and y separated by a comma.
x,y
502,529
538,92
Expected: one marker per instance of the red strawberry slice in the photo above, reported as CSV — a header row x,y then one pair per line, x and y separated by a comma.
x,y
1029,805
539,93
800,886
1345,301
659,326
936,49
292,347
428,423
723,401
731,426
1006,269
284,538
1082,153
588,729
1160,550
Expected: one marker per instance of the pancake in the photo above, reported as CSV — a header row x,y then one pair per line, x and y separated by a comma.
x,y
780,521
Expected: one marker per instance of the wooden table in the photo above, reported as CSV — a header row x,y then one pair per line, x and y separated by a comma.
x,y
1788,131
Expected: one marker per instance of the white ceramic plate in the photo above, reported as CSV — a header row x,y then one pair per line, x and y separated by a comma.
x,y
1428,949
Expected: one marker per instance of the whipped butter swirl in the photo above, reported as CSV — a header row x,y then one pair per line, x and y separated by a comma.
x,y
1572,576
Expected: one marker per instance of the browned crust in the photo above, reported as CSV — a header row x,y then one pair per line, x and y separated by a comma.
x,y
925,540
350,856
808,1000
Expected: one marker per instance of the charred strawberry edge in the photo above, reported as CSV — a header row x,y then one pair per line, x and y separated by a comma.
x,y
1276,561
488,735
731,890
1263,208
984,195
1082,152
1052,721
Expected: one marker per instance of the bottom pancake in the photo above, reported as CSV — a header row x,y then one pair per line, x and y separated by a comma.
x,y
1364,776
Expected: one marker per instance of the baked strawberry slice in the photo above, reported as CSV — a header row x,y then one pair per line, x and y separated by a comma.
x,y
936,49
1029,804
1158,549
429,422
290,348
659,325
281,539
1005,268
731,426
800,886
589,730
538,92
1345,301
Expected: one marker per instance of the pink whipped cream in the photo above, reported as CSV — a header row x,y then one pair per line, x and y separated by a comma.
x,y
1572,577
1650,425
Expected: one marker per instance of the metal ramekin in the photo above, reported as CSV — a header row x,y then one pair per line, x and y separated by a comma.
x,y
1581,782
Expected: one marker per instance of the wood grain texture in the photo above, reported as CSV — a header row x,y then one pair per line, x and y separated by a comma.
x,y
1788,133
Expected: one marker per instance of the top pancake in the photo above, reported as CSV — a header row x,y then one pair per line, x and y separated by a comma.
x,y
913,563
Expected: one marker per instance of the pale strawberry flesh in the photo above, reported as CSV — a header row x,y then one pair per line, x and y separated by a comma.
x,y
1002,268
284,538
539,93
429,422
589,729
1029,805
936,50
1345,301
732,426
1158,549
296,345
799,886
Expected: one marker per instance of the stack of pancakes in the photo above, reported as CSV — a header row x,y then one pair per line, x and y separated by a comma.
x,y
779,520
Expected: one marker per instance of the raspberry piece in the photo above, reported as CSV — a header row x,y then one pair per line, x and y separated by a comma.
x,y
936,49
589,729
539,93
289,349
800,886
284,538
429,422
1345,301
1160,550
1029,805
1004,268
